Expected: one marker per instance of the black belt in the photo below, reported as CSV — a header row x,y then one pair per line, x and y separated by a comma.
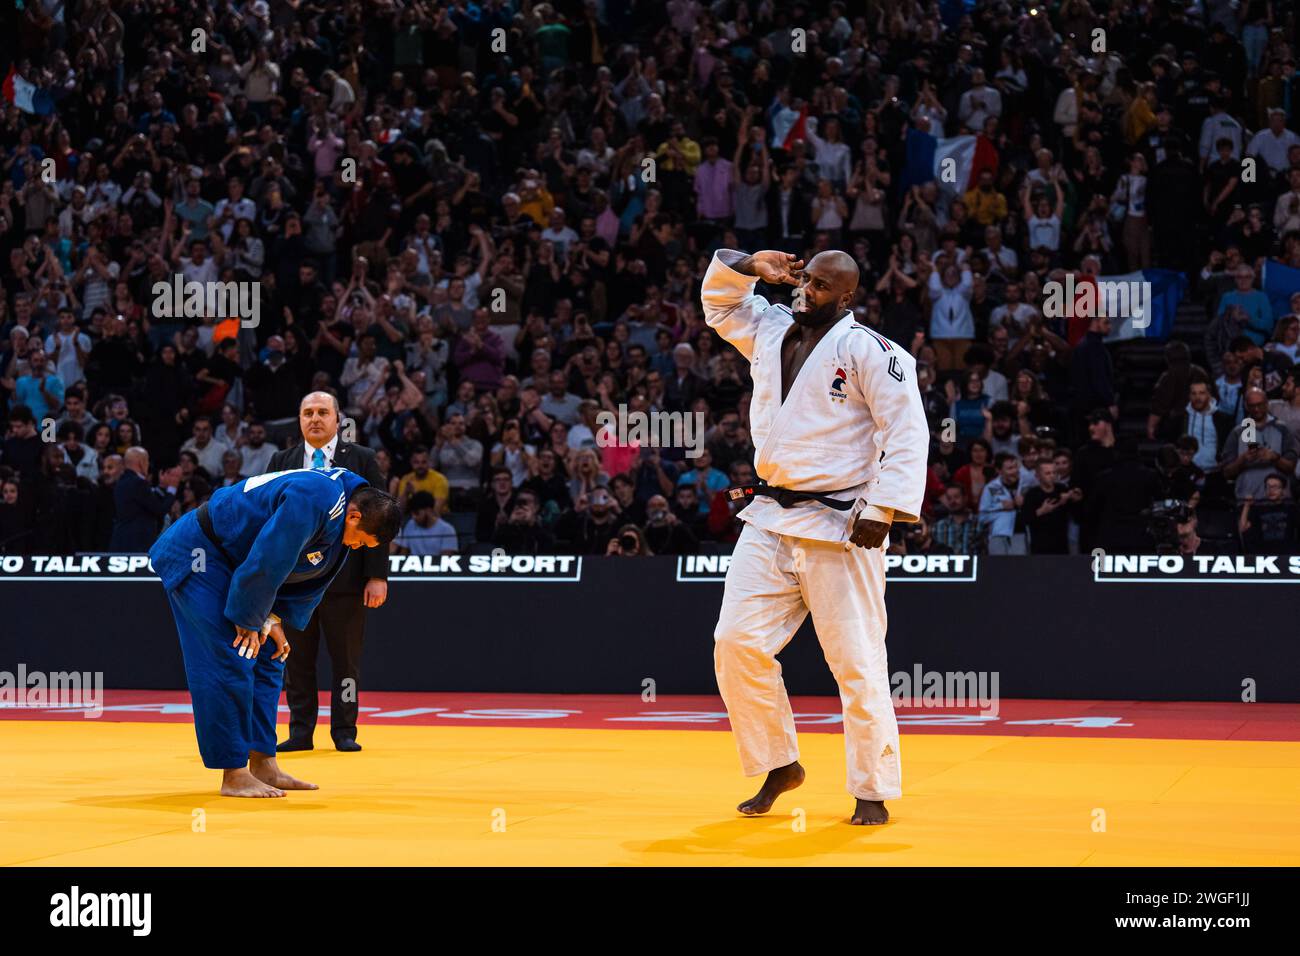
x,y
788,497
205,522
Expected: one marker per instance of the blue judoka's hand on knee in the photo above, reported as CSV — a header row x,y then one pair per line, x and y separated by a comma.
x,y
247,642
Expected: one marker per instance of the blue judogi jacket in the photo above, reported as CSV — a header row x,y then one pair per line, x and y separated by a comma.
x,y
286,530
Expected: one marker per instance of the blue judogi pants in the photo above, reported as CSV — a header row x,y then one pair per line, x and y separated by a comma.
x,y
235,699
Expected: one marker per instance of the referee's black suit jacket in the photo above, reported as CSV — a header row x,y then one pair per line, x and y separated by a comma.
x,y
359,460
340,614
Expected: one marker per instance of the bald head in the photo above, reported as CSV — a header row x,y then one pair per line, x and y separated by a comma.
x,y
318,417
137,459
1256,404
321,397
829,281
840,266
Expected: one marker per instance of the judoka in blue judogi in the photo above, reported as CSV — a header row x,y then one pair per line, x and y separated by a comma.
x,y
259,552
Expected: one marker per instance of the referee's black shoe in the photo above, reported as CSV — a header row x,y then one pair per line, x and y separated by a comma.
x,y
347,745
294,744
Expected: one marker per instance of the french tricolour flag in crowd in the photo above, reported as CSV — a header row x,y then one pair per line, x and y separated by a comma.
x,y
28,97
928,156
788,125
1279,282
971,155
1143,317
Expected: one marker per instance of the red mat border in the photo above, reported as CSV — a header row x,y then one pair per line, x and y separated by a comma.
x,y
1046,718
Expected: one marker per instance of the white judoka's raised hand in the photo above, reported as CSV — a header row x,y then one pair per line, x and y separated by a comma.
x,y
774,268
730,305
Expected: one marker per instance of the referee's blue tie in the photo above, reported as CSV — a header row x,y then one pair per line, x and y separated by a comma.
x,y
318,458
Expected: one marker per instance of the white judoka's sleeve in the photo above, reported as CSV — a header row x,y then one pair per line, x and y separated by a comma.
x,y
876,513
730,305
889,386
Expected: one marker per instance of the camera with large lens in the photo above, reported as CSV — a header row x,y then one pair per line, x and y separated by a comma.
x,y
1163,519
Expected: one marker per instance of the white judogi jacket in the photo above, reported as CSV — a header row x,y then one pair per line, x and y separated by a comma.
x,y
853,420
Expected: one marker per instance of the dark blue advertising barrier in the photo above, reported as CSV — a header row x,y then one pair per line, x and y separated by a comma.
x,y
1139,628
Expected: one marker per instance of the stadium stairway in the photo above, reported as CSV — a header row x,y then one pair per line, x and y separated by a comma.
x,y
1139,364
466,525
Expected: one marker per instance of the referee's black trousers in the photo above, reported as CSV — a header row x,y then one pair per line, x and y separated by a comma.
x,y
340,620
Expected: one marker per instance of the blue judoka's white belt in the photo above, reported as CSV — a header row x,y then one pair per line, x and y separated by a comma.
x,y
209,532
788,497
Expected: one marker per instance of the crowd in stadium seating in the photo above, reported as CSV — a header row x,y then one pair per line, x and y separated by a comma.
x,y
481,225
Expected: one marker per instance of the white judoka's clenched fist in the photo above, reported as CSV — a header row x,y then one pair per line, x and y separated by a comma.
x,y
868,533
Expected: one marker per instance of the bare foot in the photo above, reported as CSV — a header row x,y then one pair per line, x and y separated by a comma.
x,y
265,769
241,783
778,782
869,813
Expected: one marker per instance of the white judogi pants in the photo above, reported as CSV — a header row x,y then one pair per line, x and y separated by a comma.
x,y
773,583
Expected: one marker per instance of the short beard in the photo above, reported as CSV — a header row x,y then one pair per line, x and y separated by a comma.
x,y
816,318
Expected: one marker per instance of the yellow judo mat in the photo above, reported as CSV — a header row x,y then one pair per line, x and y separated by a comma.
x,y
123,794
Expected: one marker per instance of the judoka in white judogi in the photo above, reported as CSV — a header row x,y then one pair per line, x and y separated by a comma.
x,y
853,424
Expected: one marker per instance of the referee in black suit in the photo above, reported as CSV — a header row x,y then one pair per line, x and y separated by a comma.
x,y
341,616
